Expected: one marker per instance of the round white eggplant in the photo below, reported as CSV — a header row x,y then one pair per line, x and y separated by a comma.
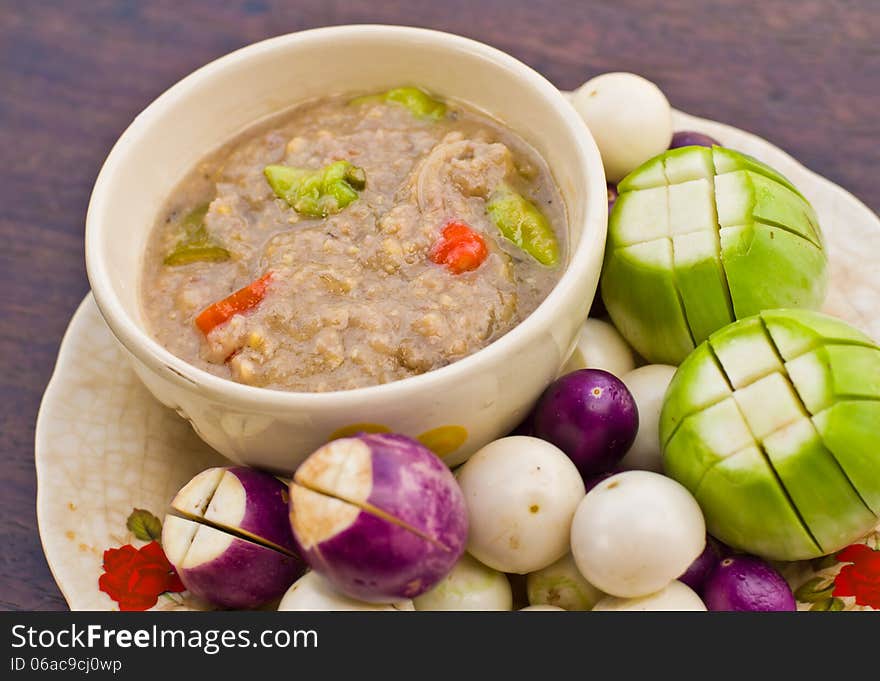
x,y
521,494
635,532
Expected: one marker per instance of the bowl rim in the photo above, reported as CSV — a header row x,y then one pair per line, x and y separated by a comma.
x,y
139,343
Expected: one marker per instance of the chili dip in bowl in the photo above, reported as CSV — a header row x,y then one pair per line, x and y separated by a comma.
x,y
345,229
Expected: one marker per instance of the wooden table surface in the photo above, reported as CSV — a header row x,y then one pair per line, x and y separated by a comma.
x,y
805,75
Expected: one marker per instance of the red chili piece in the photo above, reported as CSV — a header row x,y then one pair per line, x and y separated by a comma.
x,y
241,301
460,248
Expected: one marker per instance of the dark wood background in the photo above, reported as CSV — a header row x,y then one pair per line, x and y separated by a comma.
x,y
804,74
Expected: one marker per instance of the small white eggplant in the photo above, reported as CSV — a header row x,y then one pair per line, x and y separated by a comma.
x,y
563,586
600,346
313,592
647,385
629,117
469,586
635,532
521,494
674,596
546,608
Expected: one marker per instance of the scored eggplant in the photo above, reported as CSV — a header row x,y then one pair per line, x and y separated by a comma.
x,y
772,424
379,515
229,538
700,237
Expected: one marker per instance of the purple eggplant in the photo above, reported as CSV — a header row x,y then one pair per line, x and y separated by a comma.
x,y
748,584
700,570
690,138
230,540
612,195
380,516
591,416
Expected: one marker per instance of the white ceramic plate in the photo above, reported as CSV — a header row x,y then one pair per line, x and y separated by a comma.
x,y
104,446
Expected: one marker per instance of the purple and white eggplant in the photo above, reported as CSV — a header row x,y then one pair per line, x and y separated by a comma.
x,y
230,541
379,515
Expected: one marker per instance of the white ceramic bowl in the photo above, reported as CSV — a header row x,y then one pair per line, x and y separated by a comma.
x,y
471,401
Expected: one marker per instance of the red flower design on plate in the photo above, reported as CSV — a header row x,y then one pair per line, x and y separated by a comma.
x,y
862,577
135,578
